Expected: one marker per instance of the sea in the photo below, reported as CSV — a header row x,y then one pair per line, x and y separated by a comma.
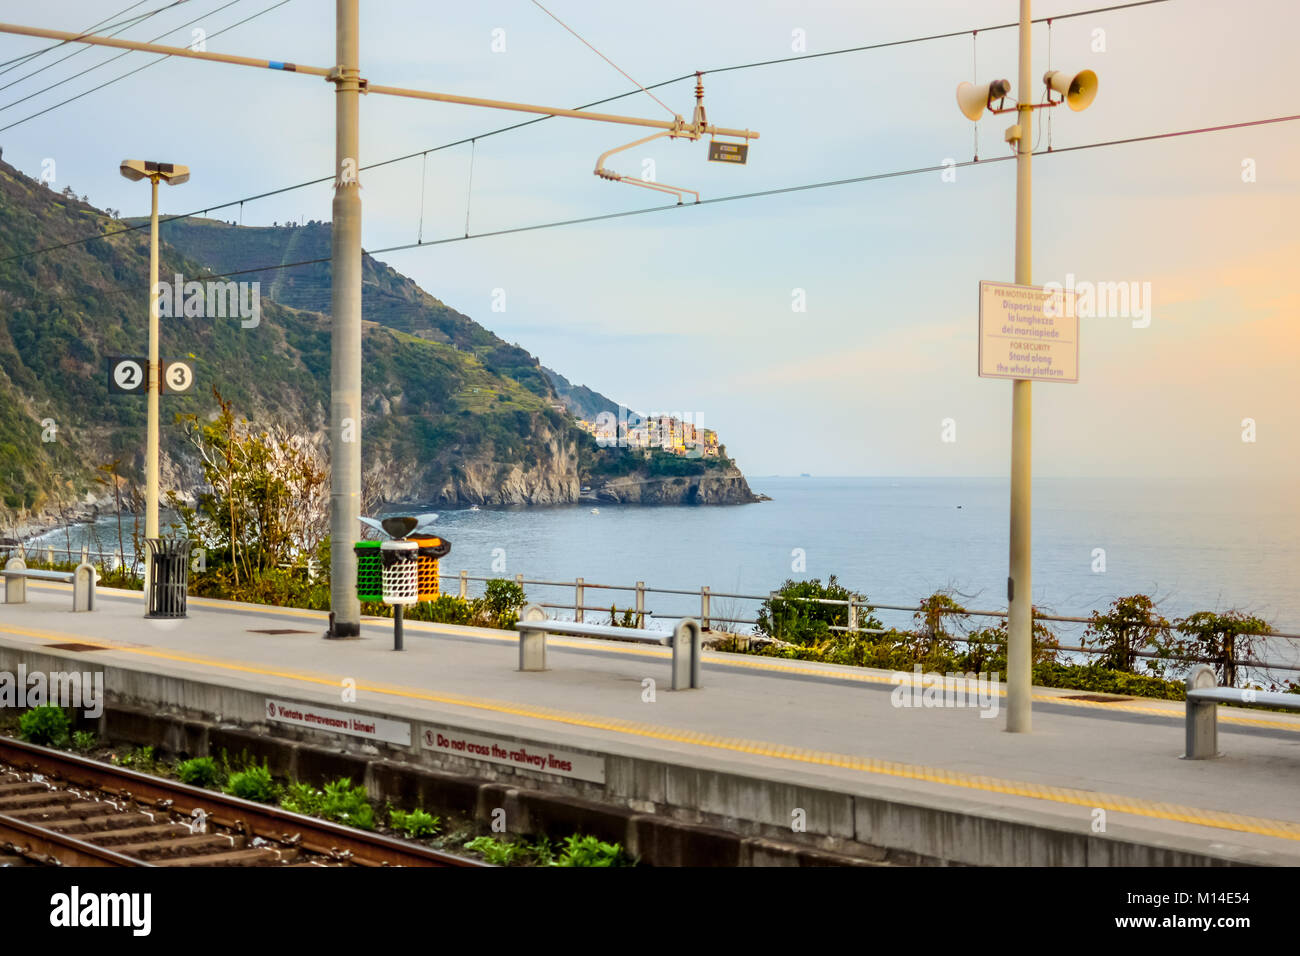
x,y
1191,544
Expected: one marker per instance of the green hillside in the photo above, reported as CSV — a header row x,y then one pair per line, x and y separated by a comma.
x,y
453,414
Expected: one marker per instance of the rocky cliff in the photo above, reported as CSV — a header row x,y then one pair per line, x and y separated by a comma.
x,y
453,415
723,486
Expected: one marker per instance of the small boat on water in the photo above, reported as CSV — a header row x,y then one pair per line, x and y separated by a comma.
x,y
473,508
595,511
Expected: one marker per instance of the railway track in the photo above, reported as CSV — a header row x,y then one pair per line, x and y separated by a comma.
x,y
60,809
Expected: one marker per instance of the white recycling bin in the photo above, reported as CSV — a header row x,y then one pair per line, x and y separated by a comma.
x,y
401,572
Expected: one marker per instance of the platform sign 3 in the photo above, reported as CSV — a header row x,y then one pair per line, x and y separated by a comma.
x,y
126,375
178,375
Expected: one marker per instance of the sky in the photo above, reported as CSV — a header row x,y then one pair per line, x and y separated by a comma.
x,y
696,309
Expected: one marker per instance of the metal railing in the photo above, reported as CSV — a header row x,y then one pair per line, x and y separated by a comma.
x,y
48,552
707,616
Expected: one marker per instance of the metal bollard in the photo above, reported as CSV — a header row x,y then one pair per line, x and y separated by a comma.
x,y
686,654
704,607
577,600
532,644
15,587
83,587
1202,717
640,604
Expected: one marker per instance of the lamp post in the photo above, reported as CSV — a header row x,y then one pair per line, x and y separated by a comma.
x,y
1076,91
345,371
172,174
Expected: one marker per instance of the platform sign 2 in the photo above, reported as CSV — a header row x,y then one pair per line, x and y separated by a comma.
x,y
126,374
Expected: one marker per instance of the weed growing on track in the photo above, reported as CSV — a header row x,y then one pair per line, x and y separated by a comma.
x,y
339,801
255,783
199,772
575,850
46,726
415,825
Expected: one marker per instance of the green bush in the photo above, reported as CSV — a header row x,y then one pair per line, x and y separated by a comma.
x,y
199,772
939,617
790,616
502,600
255,783
47,726
339,801
84,741
1131,625
1222,638
986,652
416,824
986,649
447,609
1098,678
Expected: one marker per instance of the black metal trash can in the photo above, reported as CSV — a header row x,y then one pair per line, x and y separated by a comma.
x,y
169,576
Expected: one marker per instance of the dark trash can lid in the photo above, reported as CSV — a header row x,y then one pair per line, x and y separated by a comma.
x,y
168,547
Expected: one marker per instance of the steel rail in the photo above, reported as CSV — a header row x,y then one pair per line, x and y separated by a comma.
x,y
271,823
27,840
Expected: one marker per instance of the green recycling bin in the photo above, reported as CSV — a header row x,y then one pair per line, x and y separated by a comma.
x,y
370,571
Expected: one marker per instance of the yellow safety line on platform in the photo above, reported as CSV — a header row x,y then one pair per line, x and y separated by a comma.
x,y
777,665
1114,803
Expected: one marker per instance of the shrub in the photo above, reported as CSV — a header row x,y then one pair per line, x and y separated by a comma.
x,y
84,741
935,617
1129,626
1222,638
502,600
416,825
1100,679
790,616
199,772
447,609
255,783
47,726
986,649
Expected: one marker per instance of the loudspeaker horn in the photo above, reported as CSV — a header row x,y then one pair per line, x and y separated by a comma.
x,y
1078,90
972,99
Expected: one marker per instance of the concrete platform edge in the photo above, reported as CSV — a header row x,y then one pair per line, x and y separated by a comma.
x,y
874,824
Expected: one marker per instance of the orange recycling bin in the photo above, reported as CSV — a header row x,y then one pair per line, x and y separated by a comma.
x,y
431,548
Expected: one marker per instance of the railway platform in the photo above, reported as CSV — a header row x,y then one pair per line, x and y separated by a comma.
x,y
837,757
